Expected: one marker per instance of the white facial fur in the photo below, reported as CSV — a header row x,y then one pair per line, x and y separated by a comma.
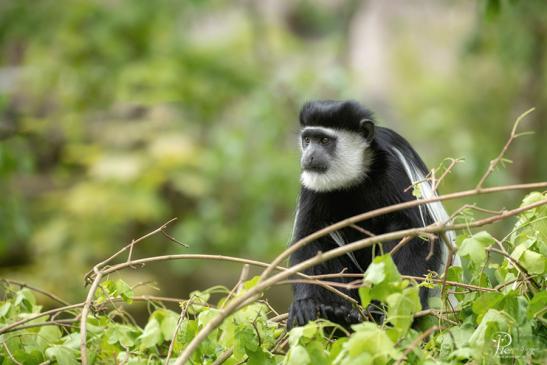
x,y
348,166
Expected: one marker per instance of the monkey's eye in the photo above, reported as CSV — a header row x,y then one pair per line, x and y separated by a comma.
x,y
307,140
325,140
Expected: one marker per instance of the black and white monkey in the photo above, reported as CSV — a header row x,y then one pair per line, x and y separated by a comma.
x,y
351,166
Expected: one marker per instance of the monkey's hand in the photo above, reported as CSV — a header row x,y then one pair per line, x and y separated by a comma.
x,y
304,310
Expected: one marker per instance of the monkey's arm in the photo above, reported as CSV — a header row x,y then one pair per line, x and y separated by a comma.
x,y
311,301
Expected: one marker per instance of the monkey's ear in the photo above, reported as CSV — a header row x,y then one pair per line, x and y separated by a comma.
x,y
367,128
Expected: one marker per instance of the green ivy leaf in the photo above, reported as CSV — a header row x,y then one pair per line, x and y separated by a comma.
x,y
485,302
532,198
537,305
369,341
198,301
336,348
125,335
151,336
375,273
115,289
297,355
251,283
533,262
4,309
493,321
25,298
47,336
62,355
380,280
187,331
72,340
401,309
259,357
474,246
300,334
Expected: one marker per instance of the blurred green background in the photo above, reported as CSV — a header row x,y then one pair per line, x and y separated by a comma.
x,y
117,115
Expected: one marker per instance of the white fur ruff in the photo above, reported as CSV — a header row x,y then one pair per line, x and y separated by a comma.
x,y
348,167
435,209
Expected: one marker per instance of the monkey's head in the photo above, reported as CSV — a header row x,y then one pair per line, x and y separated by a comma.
x,y
334,140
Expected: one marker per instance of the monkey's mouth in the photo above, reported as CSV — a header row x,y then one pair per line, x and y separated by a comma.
x,y
316,168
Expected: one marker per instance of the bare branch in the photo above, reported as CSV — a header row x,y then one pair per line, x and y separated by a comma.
x,y
497,160
519,267
223,357
9,327
37,290
177,328
167,235
401,243
85,312
389,209
453,161
362,230
127,247
416,342
10,354
59,322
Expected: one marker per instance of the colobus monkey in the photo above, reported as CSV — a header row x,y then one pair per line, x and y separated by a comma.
x,y
351,166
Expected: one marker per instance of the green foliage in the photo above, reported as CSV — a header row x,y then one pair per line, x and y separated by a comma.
x,y
113,290
129,115
500,323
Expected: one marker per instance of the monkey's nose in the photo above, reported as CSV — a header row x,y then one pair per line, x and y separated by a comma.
x,y
311,163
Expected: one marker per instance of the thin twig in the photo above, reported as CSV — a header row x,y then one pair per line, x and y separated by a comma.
x,y
401,243
85,312
10,354
450,283
16,326
499,287
59,322
167,235
127,247
417,341
9,327
497,160
37,290
98,275
427,312
146,260
519,267
177,328
453,161
326,285
362,230
143,261
280,317
242,277
223,357
448,263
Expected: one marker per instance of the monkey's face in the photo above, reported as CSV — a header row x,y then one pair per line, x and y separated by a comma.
x,y
332,159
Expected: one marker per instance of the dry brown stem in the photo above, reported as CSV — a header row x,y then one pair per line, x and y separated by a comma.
x,y
37,290
498,159
416,342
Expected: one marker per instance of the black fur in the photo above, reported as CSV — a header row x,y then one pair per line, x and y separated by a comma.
x,y
334,114
384,185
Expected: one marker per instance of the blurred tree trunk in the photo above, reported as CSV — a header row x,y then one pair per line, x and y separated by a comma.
x,y
534,94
